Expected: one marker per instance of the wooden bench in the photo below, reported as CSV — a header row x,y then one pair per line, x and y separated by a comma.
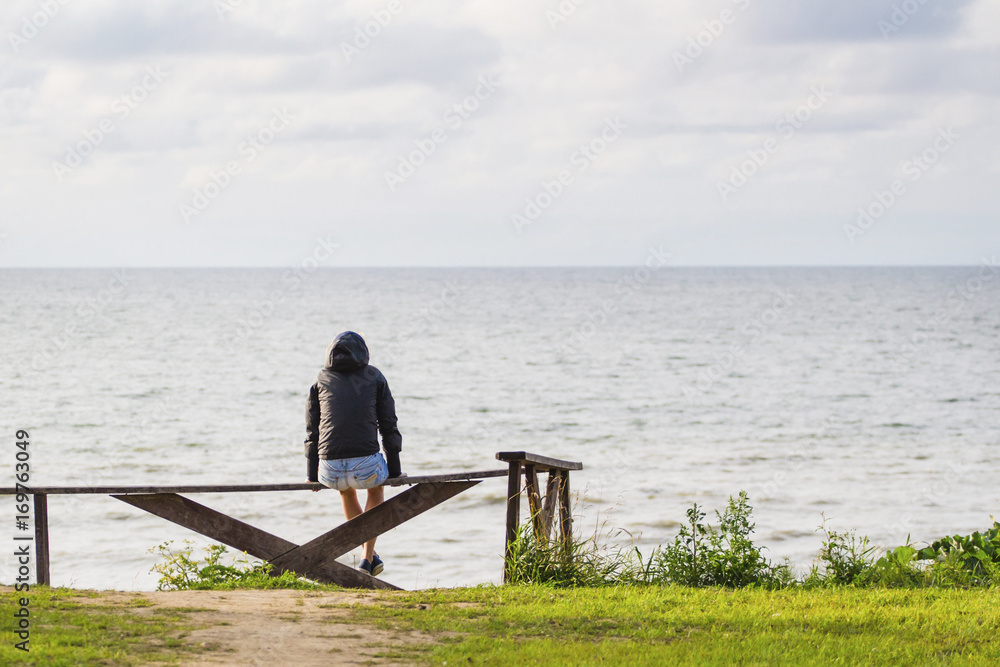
x,y
314,559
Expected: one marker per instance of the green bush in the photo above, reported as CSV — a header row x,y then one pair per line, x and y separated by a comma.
x,y
979,553
956,561
702,555
845,559
180,570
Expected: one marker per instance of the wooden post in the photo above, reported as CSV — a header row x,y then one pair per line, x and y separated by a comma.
x,y
534,500
513,511
565,515
42,540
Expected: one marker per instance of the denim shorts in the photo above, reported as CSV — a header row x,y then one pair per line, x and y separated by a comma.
x,y
363,472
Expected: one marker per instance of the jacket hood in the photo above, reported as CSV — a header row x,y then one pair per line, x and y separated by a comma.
x,y
347,353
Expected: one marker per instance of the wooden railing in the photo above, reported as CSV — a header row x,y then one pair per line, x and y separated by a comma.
x,y
316,559
541,509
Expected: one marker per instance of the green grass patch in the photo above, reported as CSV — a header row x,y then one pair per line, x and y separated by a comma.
x,y
682,625
67,631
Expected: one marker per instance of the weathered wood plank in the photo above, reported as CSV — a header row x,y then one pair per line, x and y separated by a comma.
x,y
241,488
368,525
332,572
450,477
549,502
534,500
42,540
127,490
540,462
565,509
513,513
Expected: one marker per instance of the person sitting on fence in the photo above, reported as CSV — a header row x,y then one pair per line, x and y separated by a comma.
x,y
348,403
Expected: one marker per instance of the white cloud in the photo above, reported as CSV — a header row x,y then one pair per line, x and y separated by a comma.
x,y
686,129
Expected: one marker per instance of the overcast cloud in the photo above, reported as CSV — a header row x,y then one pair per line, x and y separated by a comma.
x,y
523,132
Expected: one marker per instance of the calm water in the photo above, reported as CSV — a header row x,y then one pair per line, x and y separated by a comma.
x,y
868,396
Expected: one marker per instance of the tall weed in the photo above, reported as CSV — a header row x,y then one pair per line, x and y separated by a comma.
x,y
845,558
582,562
703,555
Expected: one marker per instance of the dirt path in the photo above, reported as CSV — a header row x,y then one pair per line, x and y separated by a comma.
x,y
278,627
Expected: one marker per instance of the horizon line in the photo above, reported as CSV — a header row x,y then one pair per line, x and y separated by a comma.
x,y
499,266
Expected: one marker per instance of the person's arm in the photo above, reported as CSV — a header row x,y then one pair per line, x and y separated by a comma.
x,y
312,435
392,441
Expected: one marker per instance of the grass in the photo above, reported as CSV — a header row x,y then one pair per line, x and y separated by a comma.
x,y
709,597
681,625
545,625
68,631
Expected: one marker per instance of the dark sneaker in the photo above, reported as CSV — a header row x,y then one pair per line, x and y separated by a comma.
x,y
377,565
365,566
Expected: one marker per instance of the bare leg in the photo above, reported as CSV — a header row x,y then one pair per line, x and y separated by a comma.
x,y
376,496
352,507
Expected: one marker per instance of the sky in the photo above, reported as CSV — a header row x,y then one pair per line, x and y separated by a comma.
x,y
489,133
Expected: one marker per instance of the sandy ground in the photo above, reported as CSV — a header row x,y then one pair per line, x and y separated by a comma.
x,y
277,627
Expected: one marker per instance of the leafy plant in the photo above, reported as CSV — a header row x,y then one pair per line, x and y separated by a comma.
x,y
979,552
959,560
702,555
898,567
181,570
846,558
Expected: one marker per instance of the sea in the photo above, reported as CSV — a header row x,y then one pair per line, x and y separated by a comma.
x,y
863,399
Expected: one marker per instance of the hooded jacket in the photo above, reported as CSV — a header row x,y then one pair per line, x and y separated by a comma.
x,y
348,406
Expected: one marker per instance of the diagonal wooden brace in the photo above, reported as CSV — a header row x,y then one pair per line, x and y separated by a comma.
x,y
216,525
549,503
313,555
243,536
